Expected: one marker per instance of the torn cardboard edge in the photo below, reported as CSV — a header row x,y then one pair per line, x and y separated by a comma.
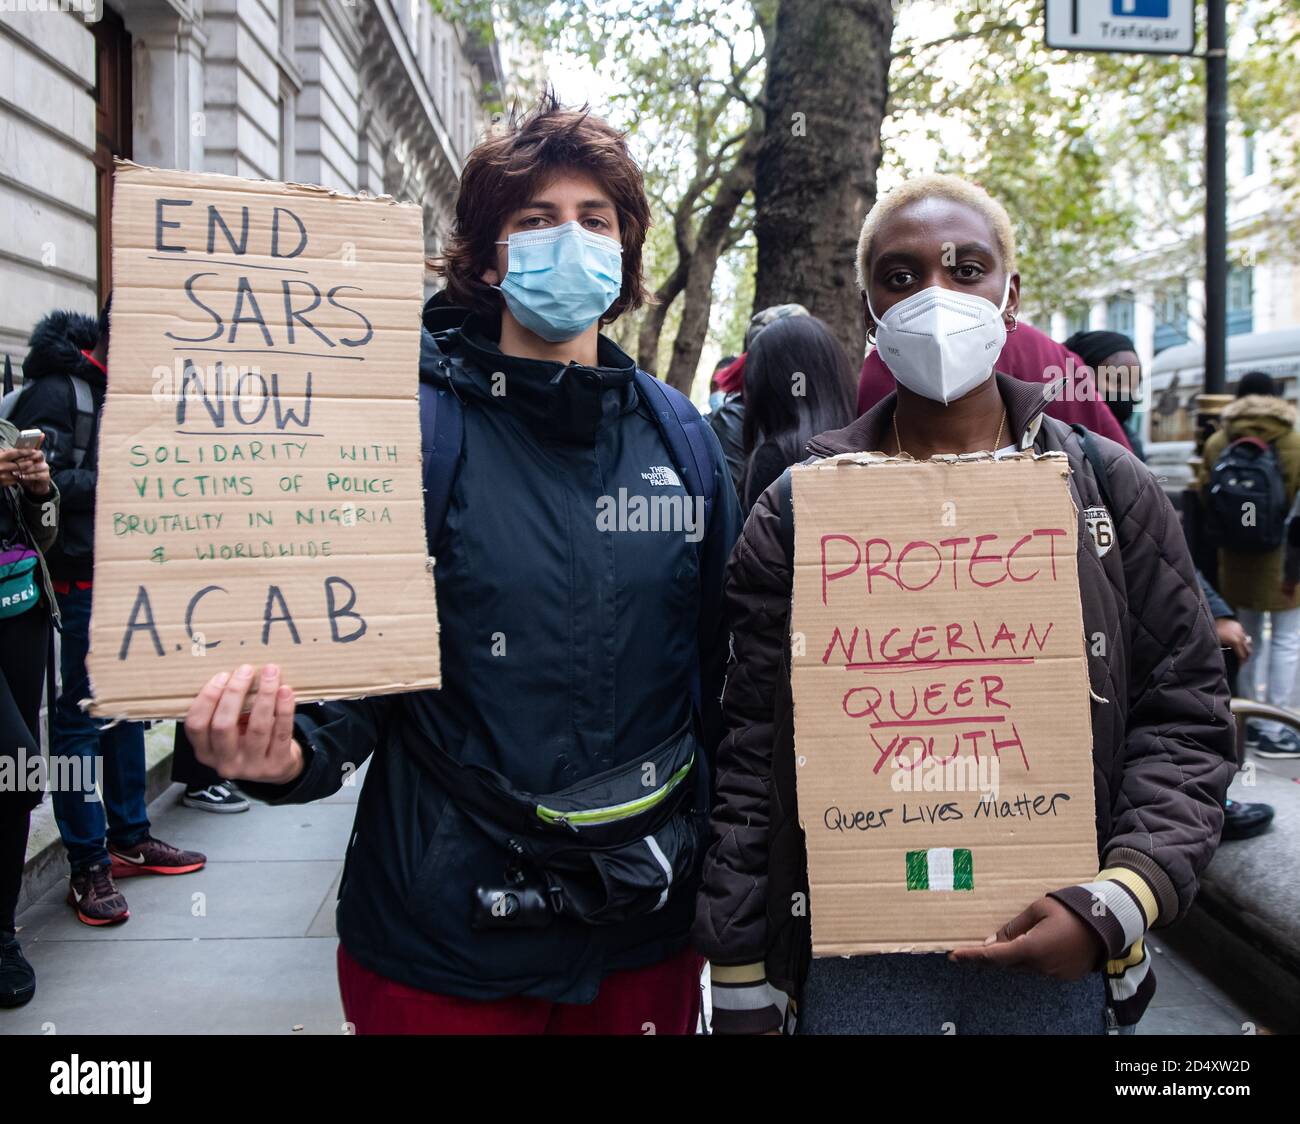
x,y
122,164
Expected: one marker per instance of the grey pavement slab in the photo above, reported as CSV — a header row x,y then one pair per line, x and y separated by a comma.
x,y
303,832
254,953
231,986
1186,1001
268,899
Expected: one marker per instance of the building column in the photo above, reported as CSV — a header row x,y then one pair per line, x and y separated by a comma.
x,y
167,65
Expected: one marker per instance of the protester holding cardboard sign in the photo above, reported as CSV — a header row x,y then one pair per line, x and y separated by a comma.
x,y
936,266
529,836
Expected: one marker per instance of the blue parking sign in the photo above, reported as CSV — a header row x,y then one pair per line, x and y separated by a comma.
x,y
1143,9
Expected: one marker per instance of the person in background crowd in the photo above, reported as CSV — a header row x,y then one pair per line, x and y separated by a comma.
x,y
716,394
1029,355
798,383
1253,583
1240,821
728,421
29,524
105,839
204,790
1162,745
1117,371
582,661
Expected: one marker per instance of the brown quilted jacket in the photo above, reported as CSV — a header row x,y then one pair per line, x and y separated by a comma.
x,y
1162,739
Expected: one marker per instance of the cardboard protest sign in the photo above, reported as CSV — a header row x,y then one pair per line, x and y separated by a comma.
x,y
942,727
259,493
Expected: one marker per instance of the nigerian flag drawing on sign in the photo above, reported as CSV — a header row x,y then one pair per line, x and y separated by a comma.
x,y
940,868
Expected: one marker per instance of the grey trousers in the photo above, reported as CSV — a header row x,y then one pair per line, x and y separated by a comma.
x,y
927,993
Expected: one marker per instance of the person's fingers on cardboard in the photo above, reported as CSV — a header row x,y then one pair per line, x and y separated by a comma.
x,y
282,733
225,722
1009,954
261,719
198,718
1019,925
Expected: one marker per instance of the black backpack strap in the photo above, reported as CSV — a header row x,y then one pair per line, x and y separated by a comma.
x,y
785,505
1094,458
442,434
83,429
683,431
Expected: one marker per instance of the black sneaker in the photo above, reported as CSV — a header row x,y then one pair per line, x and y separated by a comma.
x,y
1241,821
219,797
17,980
1287,746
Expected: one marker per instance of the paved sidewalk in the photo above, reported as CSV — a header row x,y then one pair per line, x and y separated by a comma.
x,y
247,945
244,946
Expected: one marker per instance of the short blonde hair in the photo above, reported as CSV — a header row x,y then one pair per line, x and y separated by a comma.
x,y
937,186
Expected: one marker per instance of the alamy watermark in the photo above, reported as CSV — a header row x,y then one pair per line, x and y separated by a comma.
x,y
90,10
673,512
26,772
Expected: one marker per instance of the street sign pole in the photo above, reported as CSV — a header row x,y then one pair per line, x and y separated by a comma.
x,y
1216,197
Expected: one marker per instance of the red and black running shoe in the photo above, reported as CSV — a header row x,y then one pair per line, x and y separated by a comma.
x,y
153,856
95,898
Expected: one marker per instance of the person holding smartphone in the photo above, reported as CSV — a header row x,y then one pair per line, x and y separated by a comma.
x,y
29,524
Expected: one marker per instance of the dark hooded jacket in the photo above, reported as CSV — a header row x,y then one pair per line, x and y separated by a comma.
x,y
567,650
1162,736
49,402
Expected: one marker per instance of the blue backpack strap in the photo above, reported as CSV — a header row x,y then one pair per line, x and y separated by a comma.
x,y
683,429
442,434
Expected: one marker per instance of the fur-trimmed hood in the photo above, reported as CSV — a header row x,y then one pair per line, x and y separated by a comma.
x,y
56,347
1259,415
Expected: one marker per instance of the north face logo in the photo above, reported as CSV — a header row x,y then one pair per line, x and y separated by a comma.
x,y
1102,529
662,475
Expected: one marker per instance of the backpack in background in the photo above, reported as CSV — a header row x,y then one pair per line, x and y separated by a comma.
x,y
83,428
1246,498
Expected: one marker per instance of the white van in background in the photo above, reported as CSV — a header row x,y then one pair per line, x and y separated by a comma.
x,y
1177,375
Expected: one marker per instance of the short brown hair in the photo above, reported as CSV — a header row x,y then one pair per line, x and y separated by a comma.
x,y
506,169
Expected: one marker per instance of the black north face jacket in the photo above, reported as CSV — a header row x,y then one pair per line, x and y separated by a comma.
x,y
567,650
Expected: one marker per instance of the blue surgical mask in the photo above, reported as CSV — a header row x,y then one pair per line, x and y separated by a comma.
x,y
716,399
561,280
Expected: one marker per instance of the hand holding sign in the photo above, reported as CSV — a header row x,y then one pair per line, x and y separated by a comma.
x,y
1047,937
257,746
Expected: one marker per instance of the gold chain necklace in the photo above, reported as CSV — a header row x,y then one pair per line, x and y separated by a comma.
x,y
997,441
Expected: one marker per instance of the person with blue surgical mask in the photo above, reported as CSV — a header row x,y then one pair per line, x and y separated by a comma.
x,y
529,836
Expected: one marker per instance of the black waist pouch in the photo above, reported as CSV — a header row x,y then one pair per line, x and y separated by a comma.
x,y
608,849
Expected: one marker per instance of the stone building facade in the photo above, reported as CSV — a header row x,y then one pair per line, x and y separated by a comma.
x,y
383,96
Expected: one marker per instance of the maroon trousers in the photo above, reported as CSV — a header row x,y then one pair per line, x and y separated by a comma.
x,y
663,998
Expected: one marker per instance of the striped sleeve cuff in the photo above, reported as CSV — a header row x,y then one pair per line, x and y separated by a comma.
x,y
744,1002
1119,906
